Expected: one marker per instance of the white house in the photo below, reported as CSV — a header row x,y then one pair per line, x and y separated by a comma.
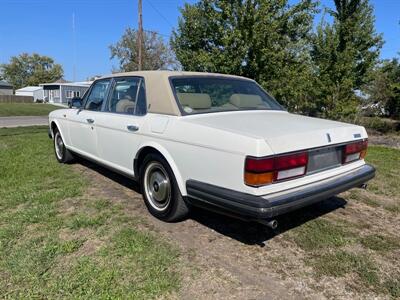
x,y
62,91
33,91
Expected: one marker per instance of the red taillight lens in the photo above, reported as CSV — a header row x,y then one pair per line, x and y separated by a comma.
x,y
291,161
255,165
355,151
262,171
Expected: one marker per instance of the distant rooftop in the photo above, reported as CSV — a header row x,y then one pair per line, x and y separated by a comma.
x,y
29,89
68,83
5,83
62,80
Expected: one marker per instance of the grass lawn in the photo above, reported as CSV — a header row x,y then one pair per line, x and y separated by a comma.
x,y
26,109
59,239
49,251
361,245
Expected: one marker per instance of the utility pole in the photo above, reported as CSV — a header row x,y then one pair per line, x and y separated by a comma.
x,y
74,45
140,37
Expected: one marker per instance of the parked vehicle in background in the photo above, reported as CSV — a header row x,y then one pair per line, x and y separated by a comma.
x,y
210,140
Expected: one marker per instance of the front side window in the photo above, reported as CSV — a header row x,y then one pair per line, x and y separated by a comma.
x,y
127,97
97,95
216,94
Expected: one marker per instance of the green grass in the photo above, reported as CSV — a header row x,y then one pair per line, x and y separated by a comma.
x,y
26,109
378,242
90,252
341,263
320,233
328,243
387,162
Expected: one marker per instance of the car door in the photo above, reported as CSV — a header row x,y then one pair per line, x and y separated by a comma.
x,y
82,125
119,127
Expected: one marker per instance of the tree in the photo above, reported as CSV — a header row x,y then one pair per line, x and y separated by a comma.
x,y
267,40
25,69
156,54
384,89
345,53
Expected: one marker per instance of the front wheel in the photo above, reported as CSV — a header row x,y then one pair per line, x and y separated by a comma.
x,y
63,155
160,190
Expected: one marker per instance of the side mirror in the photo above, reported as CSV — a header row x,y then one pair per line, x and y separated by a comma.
x,y
75,103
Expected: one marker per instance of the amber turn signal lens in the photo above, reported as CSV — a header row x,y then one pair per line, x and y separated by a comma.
x,y
257,179
363,154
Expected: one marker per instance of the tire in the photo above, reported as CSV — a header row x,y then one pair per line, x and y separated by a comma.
x,y
160,190
63,155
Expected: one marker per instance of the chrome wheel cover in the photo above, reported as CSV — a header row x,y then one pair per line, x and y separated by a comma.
x,y
59,145
157,186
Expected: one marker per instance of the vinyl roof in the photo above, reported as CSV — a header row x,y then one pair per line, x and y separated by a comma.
x,y
159,94
166,73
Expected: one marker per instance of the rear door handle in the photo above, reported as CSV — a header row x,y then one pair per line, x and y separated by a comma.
x,y
132,127
90,121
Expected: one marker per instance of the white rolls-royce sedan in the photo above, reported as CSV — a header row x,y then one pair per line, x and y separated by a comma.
x,y
210,140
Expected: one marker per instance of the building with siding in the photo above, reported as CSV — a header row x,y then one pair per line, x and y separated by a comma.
x,y
63,91
6,88
32,91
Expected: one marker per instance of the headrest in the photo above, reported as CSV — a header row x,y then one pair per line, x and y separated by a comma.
x,y
195,100
125,106
245,100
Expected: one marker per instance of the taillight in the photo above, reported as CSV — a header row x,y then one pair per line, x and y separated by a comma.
x,y
355,151
262,171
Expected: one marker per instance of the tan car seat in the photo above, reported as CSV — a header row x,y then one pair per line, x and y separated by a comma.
x,y
125,106
195,100
246,101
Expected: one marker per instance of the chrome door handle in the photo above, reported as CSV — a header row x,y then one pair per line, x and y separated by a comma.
x,y
90,121
132,127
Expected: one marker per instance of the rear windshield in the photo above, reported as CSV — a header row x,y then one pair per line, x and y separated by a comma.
x,y
216,94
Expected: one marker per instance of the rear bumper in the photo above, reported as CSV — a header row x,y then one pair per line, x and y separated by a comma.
x,y
252,207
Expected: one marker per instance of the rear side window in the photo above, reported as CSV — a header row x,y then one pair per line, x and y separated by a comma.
x,y
97,95
127,97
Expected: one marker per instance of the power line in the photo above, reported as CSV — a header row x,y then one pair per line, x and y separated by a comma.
x,y
156,32
160,14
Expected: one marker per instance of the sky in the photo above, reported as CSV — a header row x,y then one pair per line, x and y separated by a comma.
x,y
45,27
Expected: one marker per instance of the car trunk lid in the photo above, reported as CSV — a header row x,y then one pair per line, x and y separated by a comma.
x,y
282,131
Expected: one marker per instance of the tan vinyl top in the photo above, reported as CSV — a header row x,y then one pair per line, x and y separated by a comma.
x,y
159,95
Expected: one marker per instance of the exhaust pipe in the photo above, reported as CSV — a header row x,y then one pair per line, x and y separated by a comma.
x,y
364,186
273,224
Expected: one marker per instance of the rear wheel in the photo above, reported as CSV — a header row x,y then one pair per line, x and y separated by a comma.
x,y
160,190
63,155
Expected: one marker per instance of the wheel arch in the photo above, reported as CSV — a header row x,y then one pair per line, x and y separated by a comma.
x,y
55,125
157,148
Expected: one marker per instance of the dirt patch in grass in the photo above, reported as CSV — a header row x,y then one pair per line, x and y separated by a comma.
x,y
101,242
222,256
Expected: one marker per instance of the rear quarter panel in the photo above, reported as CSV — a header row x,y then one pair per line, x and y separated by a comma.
x,y
202,153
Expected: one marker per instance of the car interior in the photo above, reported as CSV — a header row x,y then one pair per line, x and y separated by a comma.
x,y
203,101
124,96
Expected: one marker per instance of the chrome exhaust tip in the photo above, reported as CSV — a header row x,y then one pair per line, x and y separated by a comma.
x,y
273,224
364,186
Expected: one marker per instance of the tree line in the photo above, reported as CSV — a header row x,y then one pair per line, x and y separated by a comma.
x,y
331,69
327,71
